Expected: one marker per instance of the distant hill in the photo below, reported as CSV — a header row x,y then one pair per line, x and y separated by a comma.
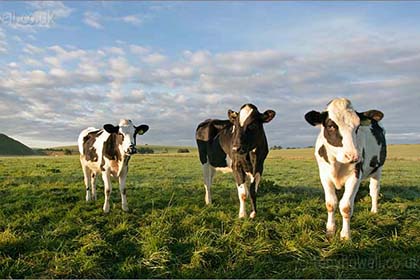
x,y
11,147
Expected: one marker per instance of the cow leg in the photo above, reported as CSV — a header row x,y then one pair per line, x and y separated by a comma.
x,y
122,180
107,189
242,190
242,194
208,173
374,188
347,205
86,174
93,185
253,188
330,203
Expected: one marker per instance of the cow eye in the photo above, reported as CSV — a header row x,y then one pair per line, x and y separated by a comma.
x,y
331,127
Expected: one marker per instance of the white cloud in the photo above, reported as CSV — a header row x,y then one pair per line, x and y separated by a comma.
x,y
31,49
154,58
93,19
132,19
139,50
114,51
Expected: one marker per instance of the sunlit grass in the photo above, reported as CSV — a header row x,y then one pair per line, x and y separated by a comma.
x,y
47,230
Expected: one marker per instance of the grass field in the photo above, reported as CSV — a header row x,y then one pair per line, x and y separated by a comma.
x,y
47,230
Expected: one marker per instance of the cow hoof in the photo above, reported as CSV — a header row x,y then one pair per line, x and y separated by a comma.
x,y
253,214
374,211
106,209
330,234
242,215
125,208
344,237
331,230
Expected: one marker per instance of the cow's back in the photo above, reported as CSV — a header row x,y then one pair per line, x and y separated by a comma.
x,y
83,137
209,143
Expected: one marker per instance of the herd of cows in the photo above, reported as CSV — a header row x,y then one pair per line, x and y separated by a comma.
x,y
350,147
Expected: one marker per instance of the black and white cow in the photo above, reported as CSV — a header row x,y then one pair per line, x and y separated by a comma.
x,y
107,151
238,144
350,147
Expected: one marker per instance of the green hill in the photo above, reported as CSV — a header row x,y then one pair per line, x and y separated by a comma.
x,y
11,147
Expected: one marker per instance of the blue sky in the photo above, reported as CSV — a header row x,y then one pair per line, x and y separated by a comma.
x,y
68,65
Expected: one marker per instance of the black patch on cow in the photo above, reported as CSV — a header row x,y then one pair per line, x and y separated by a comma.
x,y
378,133
323,153
358,169
315,118
111,146
88,150
332,133
374,162
208,141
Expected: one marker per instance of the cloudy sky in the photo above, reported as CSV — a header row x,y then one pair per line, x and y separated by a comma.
x,y
65,66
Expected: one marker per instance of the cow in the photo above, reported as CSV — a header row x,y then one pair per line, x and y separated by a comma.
x,y
107,151
350,147
237,145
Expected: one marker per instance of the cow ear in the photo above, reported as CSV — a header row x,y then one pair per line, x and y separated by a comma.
x,y
140,130
111,129
268,116
374,115
232,115
367,117
315,118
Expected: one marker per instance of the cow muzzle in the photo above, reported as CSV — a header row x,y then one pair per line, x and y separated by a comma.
x,y
350,158
131,150
239,150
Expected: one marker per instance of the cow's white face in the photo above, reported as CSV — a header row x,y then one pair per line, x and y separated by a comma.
x,y
343,123
340,125
128,131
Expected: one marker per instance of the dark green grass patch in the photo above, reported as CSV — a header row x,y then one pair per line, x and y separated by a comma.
x,y
47,230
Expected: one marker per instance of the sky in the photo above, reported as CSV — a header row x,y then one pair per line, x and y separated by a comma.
x,y
65,66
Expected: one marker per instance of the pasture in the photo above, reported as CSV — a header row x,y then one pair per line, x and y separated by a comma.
x,y
47,230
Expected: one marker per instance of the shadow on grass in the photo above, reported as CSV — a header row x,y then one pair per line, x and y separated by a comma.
x,y
296,193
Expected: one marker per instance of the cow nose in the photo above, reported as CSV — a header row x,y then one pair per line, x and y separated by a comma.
x,y
353,158
132,149
238,149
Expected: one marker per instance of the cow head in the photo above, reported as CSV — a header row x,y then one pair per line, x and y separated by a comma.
x,y
340,127
248,127
127,131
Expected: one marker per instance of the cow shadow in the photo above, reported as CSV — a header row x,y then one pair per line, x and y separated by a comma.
x,y
394,193
300,193
272,190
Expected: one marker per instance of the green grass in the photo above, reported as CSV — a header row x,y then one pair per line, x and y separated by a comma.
x,y
47,230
